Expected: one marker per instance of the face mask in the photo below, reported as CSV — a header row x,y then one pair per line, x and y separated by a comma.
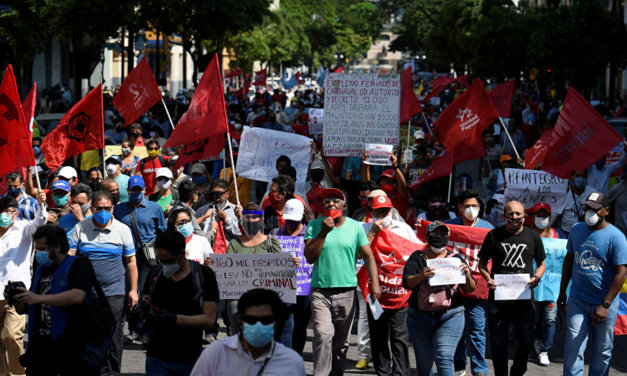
x,y
14,192
333,213
153,153
541,223
85,208
514,223
292,224
273,198
592,218
61,201
164,184
94,185
387,188
126,151
186,229
102,217
5,220
115,197
170,269
580,182
42,258
199,179
238,126
136,134
36,150
471,213
252,228
437,241
136,197
112,168
258,335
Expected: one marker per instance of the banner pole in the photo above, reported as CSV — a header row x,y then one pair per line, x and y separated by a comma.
x,y
509,137
408,132
228,135
450,184
426,122
167,113
104,167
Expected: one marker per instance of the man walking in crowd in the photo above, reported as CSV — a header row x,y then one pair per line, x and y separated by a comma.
x,y
597,264
512,248
15,189
219,208
573,208
79,209
114,171
332,244
109,185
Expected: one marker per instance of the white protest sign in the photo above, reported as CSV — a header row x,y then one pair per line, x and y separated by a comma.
x,y
260,148
378,154
532,186
316,118
512,287
360,108
447,271
238,273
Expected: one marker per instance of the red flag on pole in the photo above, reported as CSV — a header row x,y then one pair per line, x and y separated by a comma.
x,y
502,96
206,115
438,85
81,129
15,140
233,73
29,107
260,78
138,93
463,80
409,103
220,244
205,149
580,138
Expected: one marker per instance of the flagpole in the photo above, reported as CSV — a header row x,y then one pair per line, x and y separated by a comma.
x,y
228,135
426,122
167,113
509,137
450,183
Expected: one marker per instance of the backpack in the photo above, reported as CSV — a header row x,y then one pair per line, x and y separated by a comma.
x,y
197,279
435,298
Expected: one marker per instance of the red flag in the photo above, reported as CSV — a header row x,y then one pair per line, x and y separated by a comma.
x,y
502,96
260,78
466,241
243,92
138,93
438,85
580,138
340,69
206,115
220,244
205,149
81,129
29,107
233,73
15,140
409,103
390,252
464,120
463,80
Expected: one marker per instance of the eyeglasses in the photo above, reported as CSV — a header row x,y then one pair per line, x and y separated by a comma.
x,y
182,222
332,200
219,193
152,149
252,320
101,208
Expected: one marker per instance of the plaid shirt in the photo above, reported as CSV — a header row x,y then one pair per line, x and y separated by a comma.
x,y
27,207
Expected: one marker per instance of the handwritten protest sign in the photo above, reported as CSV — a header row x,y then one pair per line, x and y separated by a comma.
x,y
260,148
512,287
549,287
295,245
360,108
378,154
316,117
238,273
533,186
447,271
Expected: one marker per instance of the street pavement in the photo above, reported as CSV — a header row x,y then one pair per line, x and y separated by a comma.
x,y
134,357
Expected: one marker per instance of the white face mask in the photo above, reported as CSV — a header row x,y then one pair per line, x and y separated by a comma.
x,y
541,223
438,250
164,184
592,218
112,168
471,213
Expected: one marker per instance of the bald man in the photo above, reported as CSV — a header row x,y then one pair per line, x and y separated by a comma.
x,y
512,248
113,188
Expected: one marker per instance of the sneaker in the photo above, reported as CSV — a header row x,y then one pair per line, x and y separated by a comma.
x,y
544,359
537,345
462,373
362,363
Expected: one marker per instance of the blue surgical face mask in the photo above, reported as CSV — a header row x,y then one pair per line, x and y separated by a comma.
x,y
199,179
36,150
258,335
136,197
580,182
42,258
102,217
186,229
61,201
14,192
5,220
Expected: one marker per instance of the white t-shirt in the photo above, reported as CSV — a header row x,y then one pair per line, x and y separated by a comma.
x,y
571,212
398,228
198,249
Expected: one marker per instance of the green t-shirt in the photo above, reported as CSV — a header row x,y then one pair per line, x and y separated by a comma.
x,y
164,201
336,265
271,245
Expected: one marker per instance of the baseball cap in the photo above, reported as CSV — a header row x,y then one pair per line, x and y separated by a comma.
x,y
381,202
375,193
419,134
115,160
164,172
136,181
389,173
539,206
596,201
8,202
62,185
172,160
293,210
333,192
198,168
436,224
317,165
67,172
506,158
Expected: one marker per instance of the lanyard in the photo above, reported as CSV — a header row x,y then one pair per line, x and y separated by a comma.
x,y
265,363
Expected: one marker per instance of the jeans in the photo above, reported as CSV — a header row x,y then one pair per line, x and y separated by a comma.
x,y
363,330
435,336
302,314
390,327
521,315
114,361
545,328
474,338
578,326
158,367
286,332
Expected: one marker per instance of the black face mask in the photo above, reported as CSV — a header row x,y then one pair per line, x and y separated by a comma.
x,y
437,241
317,175
94,185
115,197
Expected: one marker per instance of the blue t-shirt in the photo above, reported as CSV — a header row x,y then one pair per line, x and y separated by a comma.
x,y
595,255
353,166
481,223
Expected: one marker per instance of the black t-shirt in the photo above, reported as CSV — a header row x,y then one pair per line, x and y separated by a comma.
x,y
180,344
512,254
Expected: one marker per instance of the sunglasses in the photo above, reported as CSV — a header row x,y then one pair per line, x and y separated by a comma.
x,y
252,320
100,208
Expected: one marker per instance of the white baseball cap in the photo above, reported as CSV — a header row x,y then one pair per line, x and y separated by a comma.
x,y
165,172
419,135
67,172
293,210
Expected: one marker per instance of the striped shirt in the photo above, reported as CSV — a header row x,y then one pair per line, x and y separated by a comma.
x,y
105,248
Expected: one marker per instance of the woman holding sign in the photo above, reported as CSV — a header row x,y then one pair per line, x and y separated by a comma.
x,y
435,315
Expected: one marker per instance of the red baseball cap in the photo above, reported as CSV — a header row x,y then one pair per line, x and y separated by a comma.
x,y
333,192
381,202
539,206
389,173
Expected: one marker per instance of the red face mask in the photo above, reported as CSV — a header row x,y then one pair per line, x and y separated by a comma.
x,y
333,213
387,188
273,199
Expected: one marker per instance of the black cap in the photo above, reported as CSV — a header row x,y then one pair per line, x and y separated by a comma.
x,y
8,202
113,160
596,201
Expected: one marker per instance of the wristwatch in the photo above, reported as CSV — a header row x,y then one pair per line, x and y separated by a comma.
x,y
606,304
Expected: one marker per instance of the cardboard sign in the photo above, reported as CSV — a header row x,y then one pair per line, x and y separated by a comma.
x,y
238,273
533,186
378,154
360,108
316,117
512,287
295,245
447,271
